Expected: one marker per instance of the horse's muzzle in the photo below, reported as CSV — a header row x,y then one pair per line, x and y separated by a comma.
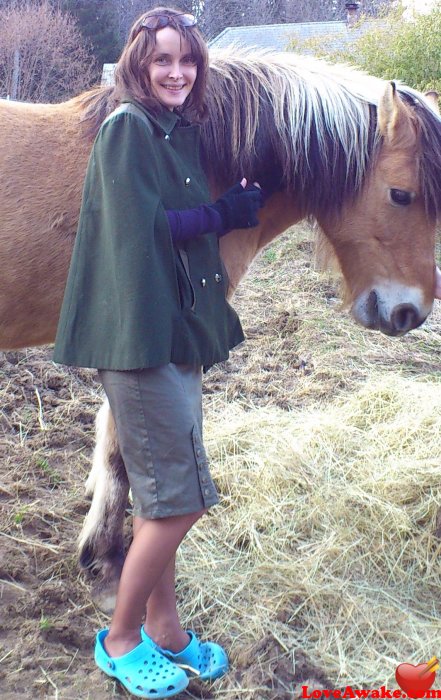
x,y
389,311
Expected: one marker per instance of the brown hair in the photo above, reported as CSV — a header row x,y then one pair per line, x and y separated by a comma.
x,y
131,74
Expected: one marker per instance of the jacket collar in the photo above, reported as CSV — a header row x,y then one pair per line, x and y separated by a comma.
x,y
166,120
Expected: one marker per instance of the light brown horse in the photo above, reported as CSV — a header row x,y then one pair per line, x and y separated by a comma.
x,y
361,156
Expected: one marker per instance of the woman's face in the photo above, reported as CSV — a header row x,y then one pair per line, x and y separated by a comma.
x,y
172,69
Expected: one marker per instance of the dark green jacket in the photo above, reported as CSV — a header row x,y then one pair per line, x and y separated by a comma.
x,y
132,299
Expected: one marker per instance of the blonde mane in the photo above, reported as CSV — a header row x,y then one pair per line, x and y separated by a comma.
x,y
304,125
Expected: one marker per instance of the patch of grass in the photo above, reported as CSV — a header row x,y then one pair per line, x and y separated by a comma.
x,y
19,516
53,477
269,255
45,623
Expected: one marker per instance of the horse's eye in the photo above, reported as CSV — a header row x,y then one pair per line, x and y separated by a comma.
x,y
401,197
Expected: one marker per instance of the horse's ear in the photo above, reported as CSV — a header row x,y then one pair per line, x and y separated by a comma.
x,y
432,97
394,120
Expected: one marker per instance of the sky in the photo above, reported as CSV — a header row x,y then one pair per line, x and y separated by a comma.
x,y
420,5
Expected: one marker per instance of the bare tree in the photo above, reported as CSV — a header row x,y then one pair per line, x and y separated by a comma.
x,y
215,16
42,54
327,10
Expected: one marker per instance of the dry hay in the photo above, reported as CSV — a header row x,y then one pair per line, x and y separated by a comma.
x,y
327,530
320,565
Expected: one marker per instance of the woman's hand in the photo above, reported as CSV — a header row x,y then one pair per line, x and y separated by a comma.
x,y
239,205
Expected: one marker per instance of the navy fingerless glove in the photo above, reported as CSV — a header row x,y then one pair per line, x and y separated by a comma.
x,y
238,207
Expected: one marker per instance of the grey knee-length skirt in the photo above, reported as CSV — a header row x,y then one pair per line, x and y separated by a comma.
x,y
158,416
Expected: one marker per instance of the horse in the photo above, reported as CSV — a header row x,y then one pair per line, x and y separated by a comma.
x,y
359,155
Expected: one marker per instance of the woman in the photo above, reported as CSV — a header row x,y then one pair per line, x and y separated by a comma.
x,y
145,305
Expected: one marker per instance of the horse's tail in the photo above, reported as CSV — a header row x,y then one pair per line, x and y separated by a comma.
x,y
101,544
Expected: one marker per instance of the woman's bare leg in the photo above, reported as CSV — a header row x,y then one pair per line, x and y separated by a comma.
x,y
152,550
162,622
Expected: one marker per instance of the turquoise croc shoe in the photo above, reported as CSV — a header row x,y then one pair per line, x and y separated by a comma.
x,y
204,660
144,671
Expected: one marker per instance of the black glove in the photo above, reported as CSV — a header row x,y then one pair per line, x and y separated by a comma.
x,y
238,207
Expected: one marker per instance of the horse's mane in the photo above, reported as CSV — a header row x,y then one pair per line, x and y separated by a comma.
x,y
429,125
296,123
317,138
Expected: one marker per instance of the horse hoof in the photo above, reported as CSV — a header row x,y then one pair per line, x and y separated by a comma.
x,y
104,596
105,583
103,572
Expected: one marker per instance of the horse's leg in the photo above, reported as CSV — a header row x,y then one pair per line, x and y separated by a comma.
x,y
101,545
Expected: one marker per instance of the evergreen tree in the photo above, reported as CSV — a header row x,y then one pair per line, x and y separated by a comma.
x,y
98,23
129,10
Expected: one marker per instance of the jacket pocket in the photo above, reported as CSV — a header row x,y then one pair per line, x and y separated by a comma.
x,y
186,290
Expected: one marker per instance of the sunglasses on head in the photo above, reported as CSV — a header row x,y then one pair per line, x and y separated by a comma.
x,y
161,21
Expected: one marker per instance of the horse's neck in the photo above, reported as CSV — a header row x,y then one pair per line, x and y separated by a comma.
x,y
239,248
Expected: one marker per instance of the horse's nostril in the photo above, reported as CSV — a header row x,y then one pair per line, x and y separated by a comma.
x,y
404,317
372,305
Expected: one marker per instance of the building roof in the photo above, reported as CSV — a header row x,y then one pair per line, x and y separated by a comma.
x,y
278,36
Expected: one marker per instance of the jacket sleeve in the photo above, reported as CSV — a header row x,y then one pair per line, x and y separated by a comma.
x,y
186,224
